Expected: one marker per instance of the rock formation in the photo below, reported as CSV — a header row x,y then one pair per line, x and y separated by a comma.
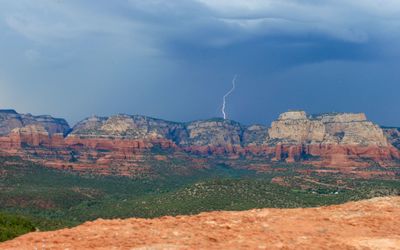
x,y
215,132
125,126
10,119
339,138
335,139
393,134
370,224
335,129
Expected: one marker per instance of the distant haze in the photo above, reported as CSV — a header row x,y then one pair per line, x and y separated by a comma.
x,y
175,59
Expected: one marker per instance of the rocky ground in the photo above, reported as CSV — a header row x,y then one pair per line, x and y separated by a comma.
x,y
370,224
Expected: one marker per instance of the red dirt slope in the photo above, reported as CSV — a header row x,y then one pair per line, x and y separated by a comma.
x,y
371,224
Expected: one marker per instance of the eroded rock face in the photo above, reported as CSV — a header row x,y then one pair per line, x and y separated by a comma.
x,y
215,132
369,224
296,128
255,135
126,126
393,134
33,135
338,129
10,119
121,140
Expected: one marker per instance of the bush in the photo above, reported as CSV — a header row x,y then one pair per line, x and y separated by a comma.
x,y
12,226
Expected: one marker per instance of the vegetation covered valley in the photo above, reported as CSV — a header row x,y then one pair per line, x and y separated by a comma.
x,y
36,197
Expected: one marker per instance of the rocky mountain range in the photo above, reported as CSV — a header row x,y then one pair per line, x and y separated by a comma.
x,y
332,139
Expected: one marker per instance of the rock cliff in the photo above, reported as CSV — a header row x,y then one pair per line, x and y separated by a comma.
x,y
126,126
214,132
10,119
393,134
336,129
340,139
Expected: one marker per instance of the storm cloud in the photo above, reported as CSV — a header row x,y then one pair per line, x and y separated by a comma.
x,y
175,59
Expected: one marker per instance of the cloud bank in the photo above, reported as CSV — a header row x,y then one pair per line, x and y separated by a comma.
x,y
163,58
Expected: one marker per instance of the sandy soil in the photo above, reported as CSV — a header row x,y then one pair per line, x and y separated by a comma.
x,y
371,224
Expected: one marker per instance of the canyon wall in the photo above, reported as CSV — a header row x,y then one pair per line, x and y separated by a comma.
x,y
336,129
393,135
334,139
10,119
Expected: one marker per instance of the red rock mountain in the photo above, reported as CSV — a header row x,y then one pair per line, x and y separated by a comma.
x,y
121,141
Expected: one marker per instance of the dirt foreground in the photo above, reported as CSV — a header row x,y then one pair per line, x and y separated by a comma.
x,y
370,224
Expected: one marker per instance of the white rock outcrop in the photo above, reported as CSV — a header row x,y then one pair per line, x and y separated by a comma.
x,y
295,127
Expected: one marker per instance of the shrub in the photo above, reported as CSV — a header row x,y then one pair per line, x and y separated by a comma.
x,y
12,226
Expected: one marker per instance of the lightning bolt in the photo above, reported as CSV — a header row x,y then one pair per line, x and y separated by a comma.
x,y
228,94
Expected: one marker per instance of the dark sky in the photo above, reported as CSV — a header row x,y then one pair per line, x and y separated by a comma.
x,y
175,59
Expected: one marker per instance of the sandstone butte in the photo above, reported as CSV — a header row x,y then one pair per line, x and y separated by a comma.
x,y
330,140
369,224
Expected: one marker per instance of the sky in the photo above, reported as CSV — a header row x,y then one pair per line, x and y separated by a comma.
x,y
175,59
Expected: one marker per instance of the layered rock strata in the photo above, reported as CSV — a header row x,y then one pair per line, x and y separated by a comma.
x,y
393,134
336,129
10,119
341,139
